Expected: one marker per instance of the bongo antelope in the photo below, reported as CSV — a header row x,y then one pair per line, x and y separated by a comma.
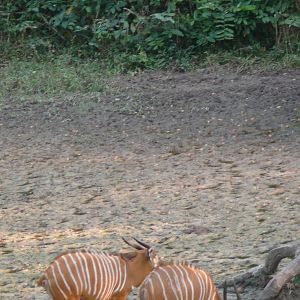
x,y
177,281
88,275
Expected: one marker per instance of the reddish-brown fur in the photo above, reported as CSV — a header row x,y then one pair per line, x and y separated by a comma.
x,y
172,281
91,276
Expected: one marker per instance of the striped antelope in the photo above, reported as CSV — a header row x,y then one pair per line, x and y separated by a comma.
x,y
178,281
88,275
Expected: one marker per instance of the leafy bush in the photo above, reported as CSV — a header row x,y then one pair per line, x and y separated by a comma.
x,y
144,28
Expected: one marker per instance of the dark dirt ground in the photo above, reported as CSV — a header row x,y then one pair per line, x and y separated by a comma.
x,y
203,165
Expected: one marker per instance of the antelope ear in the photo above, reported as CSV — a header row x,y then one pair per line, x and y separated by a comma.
x,y
42,281
45,283
149,253
128,255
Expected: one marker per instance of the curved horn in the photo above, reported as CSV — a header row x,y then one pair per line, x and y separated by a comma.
x,y
131,245
142,244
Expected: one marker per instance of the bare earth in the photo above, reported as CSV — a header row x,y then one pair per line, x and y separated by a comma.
x,y
204,166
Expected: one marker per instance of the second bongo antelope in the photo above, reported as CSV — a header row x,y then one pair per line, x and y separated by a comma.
x,y
172,281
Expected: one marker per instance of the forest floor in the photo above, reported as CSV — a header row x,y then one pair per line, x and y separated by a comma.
x,y
204,166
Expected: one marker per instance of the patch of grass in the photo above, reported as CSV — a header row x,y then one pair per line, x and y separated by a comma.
x,y
254,58
245,59
36,78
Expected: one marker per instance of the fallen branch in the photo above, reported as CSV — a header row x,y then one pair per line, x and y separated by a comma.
x,y
276,255
275,285
245,278
263,272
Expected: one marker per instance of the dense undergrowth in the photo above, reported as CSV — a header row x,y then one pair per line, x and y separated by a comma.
x,y
138,29
53,75
52,46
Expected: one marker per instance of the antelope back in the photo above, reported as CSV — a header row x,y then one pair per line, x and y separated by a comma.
x,y
178,281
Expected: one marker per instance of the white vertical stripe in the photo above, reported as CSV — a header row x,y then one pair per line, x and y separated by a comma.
x,y
144,294
206,283
170,280
210,287
182,281
187,270
100,276
161,283
95,273
77,272
88,289
151,285
115,271
63,277
88,272
107,276
102,268
49,288
143,289
210,291
78,255
111,275
56,282
202,286
177,281
117,274
71,274
124,273
119,270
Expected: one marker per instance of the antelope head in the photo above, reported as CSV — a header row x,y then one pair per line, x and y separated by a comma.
x,y
141,261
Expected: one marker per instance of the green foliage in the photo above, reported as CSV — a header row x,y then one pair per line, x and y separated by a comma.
x,y
141,29
56,76
296,280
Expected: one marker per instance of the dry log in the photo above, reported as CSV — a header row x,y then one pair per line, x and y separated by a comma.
x,y
275,285
276,255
